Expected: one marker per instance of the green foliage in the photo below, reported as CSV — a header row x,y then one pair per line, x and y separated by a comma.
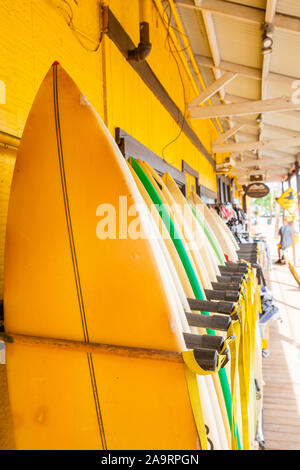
x,y
263,204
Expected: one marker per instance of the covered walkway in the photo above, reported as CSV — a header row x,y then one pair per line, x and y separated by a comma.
x,y
282,368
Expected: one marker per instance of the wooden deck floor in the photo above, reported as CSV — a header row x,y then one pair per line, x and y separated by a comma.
x,y
281,369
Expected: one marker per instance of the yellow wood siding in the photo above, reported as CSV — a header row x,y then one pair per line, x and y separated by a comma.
x,y
34,33
7,163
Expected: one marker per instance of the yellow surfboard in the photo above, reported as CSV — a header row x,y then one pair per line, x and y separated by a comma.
x,y
184,290
63,281
219,230
177,215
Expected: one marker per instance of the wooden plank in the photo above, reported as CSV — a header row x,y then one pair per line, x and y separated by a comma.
x,y
213,88
280,421
282,386
93,348
244,70
245,107
255,145
231,131
244,13
269,17
226,66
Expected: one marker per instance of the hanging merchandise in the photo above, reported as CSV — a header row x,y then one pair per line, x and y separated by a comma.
x,y
235,218
268,308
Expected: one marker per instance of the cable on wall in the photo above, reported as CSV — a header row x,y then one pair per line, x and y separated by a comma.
x,y
167,41
68,14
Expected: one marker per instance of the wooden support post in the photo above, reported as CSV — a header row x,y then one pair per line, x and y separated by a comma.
x,y
298,185
282,191
244,199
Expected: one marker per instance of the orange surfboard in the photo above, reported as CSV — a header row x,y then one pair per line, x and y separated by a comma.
x,y
63,281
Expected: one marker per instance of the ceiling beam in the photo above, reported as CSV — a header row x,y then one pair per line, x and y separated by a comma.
x,y
263,162
213,88
270,11
261,171
229,98
269,18
267,127
231,131
275,154
226,66
212,39
214,50
256,145
244,13
244,108
278,154
244,70
253,15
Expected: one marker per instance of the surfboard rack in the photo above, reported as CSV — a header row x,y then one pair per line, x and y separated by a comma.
x,y
207,358
231,278
215,322
248,246
232,286
234,268
247,251
225,308
229,296
196,341
240,263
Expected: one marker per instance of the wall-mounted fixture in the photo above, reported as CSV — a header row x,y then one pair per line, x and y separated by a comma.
x,y
254,178
141,52
267,41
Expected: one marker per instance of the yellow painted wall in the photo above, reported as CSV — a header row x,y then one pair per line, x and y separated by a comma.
x,y
7,163
34,33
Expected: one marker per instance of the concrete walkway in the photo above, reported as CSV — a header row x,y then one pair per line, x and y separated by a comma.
x,y
281,370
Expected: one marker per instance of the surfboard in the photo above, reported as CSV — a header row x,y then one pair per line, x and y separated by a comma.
x,y
188,243
218,229
64,280
204,383
179,199
188,266
229,249
191,231
201,232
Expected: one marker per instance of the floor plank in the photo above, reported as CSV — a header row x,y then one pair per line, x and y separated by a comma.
x,y
281,370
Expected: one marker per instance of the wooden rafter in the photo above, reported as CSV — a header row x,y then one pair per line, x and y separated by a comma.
x,y
231,131
257,145
213,88
267,127
244,108
244,13
244,70
269,19
264,162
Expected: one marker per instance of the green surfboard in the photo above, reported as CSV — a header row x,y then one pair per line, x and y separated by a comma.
x,y
210,236
189,271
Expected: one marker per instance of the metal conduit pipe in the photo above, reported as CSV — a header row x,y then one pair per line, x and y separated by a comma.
x,y
143,50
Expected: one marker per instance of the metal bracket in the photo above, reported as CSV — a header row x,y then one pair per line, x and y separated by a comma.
x,y
2,353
